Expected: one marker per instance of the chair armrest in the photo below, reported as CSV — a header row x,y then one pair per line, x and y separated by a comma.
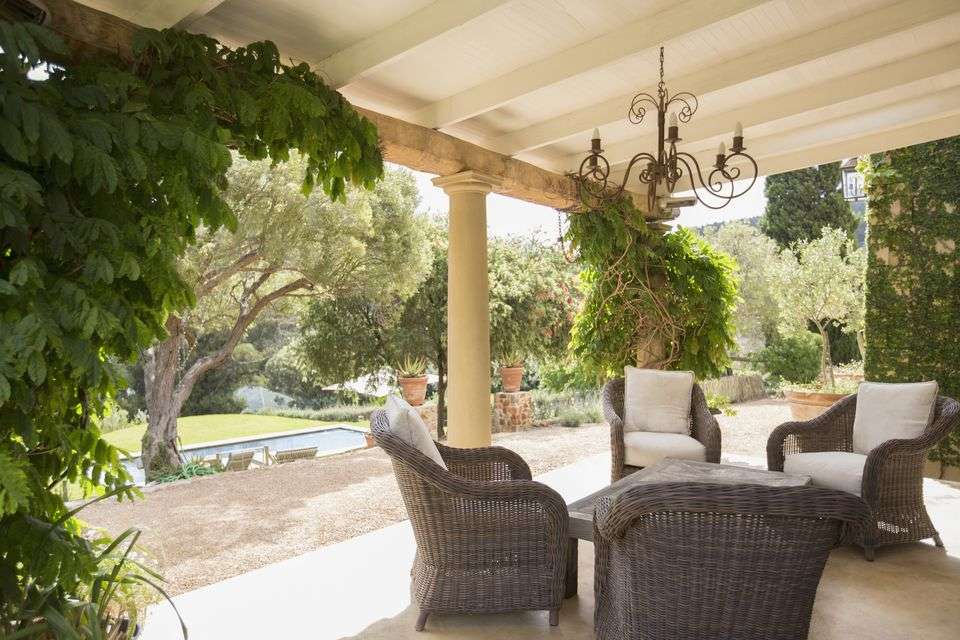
x,y
706,429
485,463
830,431
556,516
946,419
612,404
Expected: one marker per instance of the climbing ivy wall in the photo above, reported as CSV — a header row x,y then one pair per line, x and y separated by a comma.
x,y
913,270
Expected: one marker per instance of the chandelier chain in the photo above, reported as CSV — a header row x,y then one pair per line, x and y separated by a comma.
x,y
661,86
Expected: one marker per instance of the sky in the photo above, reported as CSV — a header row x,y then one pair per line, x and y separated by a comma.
x,y
512,217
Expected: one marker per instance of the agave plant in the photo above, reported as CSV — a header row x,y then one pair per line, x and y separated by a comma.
x,y
411,367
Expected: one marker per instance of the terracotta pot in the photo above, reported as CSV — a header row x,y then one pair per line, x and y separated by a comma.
x,y
414,390
511,377
368,439
805,405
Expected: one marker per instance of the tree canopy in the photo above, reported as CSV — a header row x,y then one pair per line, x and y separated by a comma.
x,y
803,202
286,246
821,282
756,315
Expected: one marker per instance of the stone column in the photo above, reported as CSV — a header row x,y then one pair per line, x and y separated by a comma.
x,y
468,315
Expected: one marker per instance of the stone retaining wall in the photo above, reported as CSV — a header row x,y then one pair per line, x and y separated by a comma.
x,y
512,411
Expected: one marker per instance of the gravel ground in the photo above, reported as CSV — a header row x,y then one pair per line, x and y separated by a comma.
x,y
211,528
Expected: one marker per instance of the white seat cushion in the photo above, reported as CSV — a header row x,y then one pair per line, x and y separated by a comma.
x,y
656,400
406,424
889,411
830,469
644,448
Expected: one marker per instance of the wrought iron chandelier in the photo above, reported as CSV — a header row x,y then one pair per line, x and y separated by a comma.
x,y
661,172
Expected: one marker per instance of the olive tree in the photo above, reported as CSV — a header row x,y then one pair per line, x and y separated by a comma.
x,y
285,246
821,282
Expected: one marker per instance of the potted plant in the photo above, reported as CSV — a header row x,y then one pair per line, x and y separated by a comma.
x,y
412,378
511,372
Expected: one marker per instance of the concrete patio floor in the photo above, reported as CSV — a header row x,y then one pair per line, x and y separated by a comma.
x,y
359,589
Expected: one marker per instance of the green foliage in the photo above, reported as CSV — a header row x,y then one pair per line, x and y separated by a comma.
x,y
645,291
214,392
820,282
192,469
913,270
106,173
566,374
756,315
548,406
339,413
532,293
801,203
793,358
721,403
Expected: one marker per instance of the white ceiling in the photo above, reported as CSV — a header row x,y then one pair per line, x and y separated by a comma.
x,y
811,80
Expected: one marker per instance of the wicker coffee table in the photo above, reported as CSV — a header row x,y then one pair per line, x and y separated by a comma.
x,y
669,470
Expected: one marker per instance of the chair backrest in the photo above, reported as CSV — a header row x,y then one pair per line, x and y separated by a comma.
x,y
289,455
428,508
712,561
613,392
239,460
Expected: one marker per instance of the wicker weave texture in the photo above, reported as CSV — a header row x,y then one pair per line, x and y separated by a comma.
x,y
489,539
892,483
703,426
691,561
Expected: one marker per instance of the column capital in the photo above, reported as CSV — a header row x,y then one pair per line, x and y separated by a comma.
x,y
469,181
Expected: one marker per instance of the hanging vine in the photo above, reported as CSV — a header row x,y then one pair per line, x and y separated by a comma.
x,y
661,301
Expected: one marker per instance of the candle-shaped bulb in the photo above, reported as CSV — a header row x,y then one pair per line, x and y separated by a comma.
x,y
673,119
596,133
738,130
722,149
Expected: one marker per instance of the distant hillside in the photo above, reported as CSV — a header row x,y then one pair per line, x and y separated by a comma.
x,y
753,222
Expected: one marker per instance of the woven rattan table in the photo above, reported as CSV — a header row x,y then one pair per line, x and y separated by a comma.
x,y
669,470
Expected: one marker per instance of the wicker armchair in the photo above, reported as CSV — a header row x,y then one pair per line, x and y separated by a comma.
x,y
489,539
892,481
703,427
692,561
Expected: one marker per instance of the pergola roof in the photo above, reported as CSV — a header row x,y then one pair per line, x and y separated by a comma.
x,y
811,80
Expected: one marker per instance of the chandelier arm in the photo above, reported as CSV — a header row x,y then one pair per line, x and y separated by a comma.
x,y
727,172
682,158
638,110
688,105
644,176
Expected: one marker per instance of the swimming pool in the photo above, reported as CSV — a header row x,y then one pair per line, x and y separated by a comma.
x,y
329,439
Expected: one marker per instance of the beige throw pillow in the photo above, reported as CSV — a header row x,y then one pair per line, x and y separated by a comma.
x,y
888,411
656,400
406,424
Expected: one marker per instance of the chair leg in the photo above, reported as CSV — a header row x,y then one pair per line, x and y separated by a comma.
x,y
937,540
554,617
868,552
421,620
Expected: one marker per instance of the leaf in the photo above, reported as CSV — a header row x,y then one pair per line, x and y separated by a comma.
x,y
15,491
12,141
37,368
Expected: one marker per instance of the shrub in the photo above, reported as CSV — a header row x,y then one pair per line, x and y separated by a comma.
x,y
344,413
794,358
577,417
192,469
549,406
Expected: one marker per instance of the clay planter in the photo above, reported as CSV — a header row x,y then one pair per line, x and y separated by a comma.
x,y
414,390
369,441
805,405
510,378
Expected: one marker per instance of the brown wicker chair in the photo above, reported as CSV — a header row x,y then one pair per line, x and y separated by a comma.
x,y
703,427
694,561
892,482
489,539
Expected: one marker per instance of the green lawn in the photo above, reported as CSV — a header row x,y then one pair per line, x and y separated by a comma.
x,y
196,429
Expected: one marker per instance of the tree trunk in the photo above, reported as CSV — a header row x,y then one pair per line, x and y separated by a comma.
x,y
159,450
826,361
862,344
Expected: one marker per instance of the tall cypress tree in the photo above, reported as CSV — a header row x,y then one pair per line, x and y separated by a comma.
x,y
801,203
